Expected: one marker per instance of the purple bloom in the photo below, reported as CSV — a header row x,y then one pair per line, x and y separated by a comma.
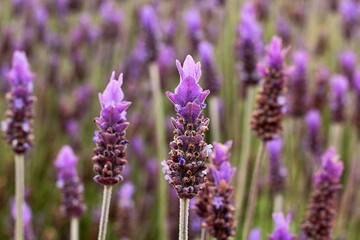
x,y
255,234
283,29
17,125
319,96
349,11
298,84
69,183
149,23
27,217
224,172
193,27
211,75
267,118
109,159
112,19
221,153
356,116
248,46
338,98
125,195
347,60
185,169
321,212
313,138
282,230
277,169
126,211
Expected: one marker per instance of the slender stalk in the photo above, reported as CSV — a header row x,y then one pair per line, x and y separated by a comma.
x,y
253,192
184,219
19,195
160,147
105,212
74,228
278,202
204,235
335,135
215,120
245,154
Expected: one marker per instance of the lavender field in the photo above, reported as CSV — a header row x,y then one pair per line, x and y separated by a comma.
x,y
202,119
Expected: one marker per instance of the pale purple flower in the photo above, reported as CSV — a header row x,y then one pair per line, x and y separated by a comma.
x,y
338,97
282,229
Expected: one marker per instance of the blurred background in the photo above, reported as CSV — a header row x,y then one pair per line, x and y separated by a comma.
x,y
74,45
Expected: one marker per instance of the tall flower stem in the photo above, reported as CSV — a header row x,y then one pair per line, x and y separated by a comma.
x,y
253,191
74,228
215,120
158,106
204,235
245,153
184,219
335,135
278,202
105,212
19,195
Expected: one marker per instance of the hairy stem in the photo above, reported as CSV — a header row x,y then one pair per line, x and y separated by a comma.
x,y
184,219
19,195
158,110
253,191
74,228
105,212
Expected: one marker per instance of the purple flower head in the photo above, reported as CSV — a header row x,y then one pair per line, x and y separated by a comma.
x,y
282,230
109,13
300,59
347,60
189,97
313,121
125,195
338,98
275,56
149,22
331,167
350,13
193,22
255,234
66,159
283,29
221,153
224,172
277,170
356,81
27,215
20,73
109,160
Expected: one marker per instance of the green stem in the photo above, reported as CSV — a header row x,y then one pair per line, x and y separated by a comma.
x,y
184,219
19,195
245,154
253,191
336,135
74,228
204,235
214,116
158,106
105,212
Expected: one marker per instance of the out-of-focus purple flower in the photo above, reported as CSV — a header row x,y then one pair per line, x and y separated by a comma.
x,y
82,98
347,61
112,19
314,139
165,61
282,230
319,96
83,33
69,183
262,8
211,75
109,159
320,216
221,153
186,169
248,46
27,217
283,30
193,27
17,125
338,98
356,116
298,79
277,169
350,16
150,24
126,211
267,119
224,172
255,234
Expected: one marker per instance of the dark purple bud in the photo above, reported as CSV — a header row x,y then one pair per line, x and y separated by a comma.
x,y
211,75
149,23
109,160
338,98
17,125
320,217
283,30
347,61
298,79
193,27
69,183
266,121
349,11
277,169
314,137
190,125
319,96
112,19
282,229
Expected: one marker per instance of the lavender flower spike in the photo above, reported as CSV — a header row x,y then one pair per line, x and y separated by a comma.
x,y
149,22
109,159
338,99
347,61
266,120
278,171
68,181
17,125
186,169
282,230
320,217
313,138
